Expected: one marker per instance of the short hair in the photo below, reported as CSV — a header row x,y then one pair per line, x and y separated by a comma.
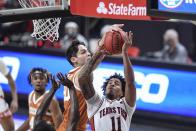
x,y
118,76
43,126
71,24
44,71
171,33
72,50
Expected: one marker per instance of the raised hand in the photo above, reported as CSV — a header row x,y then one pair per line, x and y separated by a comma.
x,y
55,84
128,40
115,27
64,80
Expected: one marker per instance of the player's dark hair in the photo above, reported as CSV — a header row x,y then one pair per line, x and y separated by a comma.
x,y
72,50
33,70
117,76
43,126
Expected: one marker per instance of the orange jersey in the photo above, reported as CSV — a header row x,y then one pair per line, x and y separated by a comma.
x,y
67,104
33,107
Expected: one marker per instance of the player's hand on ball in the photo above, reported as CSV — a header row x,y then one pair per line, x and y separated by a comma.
x,y
128,40
101,45
116,27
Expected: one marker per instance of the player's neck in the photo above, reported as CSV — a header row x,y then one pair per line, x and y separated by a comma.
x,y
110,97
38,93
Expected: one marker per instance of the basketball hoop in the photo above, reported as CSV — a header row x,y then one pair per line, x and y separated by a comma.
x,y
44,29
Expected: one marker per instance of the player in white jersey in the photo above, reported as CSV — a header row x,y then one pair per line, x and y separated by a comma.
x,y
6,119
114,111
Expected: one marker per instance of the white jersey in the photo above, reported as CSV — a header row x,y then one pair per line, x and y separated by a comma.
x,y
3,68
109,115
4,71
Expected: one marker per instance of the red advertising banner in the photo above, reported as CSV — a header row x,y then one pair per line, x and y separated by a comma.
x,y
114,9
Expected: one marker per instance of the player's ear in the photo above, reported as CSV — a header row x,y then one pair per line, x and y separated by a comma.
x,y
73,59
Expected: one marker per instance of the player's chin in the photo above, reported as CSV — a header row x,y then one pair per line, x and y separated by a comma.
x,y
88,58
111,92
39,90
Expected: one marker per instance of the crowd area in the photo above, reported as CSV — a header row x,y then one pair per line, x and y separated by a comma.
x,y
173,46
19,34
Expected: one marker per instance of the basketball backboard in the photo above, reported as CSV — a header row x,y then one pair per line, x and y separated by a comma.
x,y
20,10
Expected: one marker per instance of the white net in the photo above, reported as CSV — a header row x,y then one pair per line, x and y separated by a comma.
x,y
44,29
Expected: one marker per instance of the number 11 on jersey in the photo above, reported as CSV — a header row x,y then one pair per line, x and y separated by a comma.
x,y
114,122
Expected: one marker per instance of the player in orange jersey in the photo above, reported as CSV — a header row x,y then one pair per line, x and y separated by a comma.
x,y
74,113
38,78
77,55
41,125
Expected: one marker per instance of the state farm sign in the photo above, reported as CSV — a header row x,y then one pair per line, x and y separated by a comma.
x,y
115,9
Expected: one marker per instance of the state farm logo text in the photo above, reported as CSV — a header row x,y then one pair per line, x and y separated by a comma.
x,y
122,9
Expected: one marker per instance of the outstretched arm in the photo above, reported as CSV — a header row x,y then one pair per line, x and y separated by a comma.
x,y
85,77
74,115
100,47
57,115
46,102
14,103
130,90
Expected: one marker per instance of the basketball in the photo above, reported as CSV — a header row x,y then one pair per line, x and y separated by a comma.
x,y
113,42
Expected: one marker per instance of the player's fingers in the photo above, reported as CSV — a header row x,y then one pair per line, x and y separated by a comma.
x,y
13,108
130,34
65,76
53,78
59,76
118,25
123,34
130,37
58,84
116,29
